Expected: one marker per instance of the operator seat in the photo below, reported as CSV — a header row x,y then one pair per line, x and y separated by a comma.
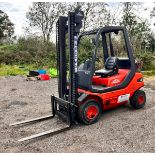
x,y
111,67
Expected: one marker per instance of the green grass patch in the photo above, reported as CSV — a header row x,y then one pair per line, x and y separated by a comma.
x,y
13,70
149,73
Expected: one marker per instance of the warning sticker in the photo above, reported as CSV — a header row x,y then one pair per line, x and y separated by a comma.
x,y
123,98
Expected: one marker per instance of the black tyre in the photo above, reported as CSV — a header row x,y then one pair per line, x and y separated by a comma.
x,y
89,112
33,73
138,99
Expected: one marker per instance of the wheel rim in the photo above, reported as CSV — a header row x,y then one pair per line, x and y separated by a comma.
x,y
92,112
141,99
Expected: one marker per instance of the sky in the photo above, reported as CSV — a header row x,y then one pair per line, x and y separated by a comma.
x,y
17,13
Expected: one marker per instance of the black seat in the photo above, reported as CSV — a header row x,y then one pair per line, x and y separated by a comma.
x,y
111,67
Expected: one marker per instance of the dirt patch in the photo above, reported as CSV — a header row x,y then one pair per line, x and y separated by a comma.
x,y
17,104
120,130
150,82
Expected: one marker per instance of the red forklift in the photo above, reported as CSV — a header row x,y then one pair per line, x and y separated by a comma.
x,y
88,90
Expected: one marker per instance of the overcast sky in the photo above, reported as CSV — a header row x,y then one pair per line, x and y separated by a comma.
x,y
17,13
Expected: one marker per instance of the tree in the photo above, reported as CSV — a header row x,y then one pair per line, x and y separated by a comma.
x,y
86,8
92,13
137,27
6,26
152,13
43,15
98,15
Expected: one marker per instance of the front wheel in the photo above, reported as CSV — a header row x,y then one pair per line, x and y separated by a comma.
x,y
89,112
138,99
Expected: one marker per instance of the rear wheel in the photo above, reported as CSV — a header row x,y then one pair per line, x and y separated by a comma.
x,y
89,112
138,99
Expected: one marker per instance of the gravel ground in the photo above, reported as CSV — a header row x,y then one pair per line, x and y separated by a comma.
x,y
119,130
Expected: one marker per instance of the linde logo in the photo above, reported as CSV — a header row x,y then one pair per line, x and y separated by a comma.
x,y
115,81
75,53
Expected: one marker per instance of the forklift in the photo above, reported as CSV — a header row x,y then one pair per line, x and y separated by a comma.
x,y
87,92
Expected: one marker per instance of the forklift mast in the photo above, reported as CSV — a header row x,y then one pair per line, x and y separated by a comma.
x,y
74,22
61,30
73,28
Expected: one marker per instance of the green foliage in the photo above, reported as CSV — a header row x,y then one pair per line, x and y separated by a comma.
x,y
138,28
149,73
33,44
30,50
15,58
43,15
146,58
13,70
85,49
6,48
6,26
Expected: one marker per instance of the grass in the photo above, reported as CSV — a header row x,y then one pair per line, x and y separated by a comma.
x,y
13,70
149,73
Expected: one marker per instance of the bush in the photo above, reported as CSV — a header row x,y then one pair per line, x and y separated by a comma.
x,y
33,44
12,47
146,58
31,50
11,58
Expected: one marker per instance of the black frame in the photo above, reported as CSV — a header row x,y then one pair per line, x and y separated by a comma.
x,y
67,96
61,31
130,75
